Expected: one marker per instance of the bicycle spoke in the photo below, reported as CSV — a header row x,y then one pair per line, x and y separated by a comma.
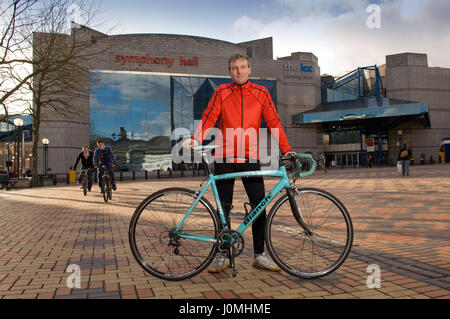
x,y
309,255
170,256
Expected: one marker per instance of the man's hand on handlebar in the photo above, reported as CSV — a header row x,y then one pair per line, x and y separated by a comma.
x,y
189,143
289,154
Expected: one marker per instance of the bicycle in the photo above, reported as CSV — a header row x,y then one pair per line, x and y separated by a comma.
x,y
175,233
84,182
106,184
320,159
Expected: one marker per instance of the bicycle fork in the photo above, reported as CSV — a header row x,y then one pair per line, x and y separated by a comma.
x,y
296,211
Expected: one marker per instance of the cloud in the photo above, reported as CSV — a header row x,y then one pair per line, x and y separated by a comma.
x,y
159,126
247,24
337,32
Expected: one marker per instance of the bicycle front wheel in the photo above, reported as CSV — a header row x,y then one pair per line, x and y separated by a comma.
x,y
156,246
109,190
309,255
84,184
105,189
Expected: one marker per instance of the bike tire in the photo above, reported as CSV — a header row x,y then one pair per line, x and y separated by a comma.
x,y
84,184
152,226
105,191
284,236
109,190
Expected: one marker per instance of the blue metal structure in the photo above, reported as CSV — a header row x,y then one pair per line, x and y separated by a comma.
x,y
350,86
351,102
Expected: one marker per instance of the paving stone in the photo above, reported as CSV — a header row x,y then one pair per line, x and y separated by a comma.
x,y
401,224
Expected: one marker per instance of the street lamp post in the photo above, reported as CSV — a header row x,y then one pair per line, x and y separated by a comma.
x,y
45,142
18,122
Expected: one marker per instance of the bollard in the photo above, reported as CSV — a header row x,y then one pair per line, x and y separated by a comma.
x,y
121,176
157,174
146,174
67,178
54,179
170,173
134,175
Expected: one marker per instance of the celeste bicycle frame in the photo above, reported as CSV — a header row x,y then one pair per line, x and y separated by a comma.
x,y
284,183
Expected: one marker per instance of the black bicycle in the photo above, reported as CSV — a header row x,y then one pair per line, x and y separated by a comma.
x,y
106,184
83,181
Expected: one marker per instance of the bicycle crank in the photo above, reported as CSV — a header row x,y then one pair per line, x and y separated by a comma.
x,y
230,243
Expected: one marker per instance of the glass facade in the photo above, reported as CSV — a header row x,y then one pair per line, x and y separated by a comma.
x,y
14,156
135,113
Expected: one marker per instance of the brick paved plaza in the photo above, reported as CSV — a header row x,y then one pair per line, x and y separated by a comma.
x,y
401,224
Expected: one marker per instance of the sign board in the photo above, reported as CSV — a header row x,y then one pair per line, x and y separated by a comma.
x,y
297,70
370,145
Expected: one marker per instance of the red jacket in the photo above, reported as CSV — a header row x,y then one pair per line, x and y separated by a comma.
x,y
241,106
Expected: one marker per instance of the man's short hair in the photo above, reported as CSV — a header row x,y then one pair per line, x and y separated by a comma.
x,y
84,146
100,142
238,56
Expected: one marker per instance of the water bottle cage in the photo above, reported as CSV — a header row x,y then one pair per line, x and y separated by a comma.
x,y
246,210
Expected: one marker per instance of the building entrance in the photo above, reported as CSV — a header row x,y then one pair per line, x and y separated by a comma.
x,y
344,159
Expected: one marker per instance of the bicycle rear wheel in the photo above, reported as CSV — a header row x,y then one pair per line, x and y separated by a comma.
x,y
309,255
154,243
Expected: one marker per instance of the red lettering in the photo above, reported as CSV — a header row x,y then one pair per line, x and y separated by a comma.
x,y
146,59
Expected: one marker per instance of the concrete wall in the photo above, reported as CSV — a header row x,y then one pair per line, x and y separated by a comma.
x,y
408,77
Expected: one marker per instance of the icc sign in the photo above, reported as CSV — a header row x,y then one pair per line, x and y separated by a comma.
x,y
295,67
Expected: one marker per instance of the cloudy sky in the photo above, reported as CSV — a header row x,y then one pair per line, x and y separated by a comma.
x,y
336,31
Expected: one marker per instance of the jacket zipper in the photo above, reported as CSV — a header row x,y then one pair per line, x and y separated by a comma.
x,y
242,120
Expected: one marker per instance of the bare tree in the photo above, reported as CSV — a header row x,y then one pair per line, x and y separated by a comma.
x,y
15,16
59,58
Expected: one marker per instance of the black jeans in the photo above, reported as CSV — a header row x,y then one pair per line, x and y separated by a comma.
x,y
100,176
254,186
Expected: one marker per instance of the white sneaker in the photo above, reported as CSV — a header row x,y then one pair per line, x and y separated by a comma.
x,y
264,262
219,263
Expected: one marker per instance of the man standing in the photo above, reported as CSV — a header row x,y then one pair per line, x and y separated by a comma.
x,y
405,156
86,157
103,155
239,107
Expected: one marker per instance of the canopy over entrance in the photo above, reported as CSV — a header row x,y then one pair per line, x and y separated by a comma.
x,y
365,108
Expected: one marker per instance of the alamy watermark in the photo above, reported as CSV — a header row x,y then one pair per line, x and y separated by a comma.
x,y
239,143
74,280
374,19
374,278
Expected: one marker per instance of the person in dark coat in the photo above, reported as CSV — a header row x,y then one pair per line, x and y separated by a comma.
x,y
86,157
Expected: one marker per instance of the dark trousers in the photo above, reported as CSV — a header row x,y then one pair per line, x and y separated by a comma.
x,y
254,186
111,174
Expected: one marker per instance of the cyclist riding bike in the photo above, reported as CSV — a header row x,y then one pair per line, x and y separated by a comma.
x,y
239,106
103,155
86,158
